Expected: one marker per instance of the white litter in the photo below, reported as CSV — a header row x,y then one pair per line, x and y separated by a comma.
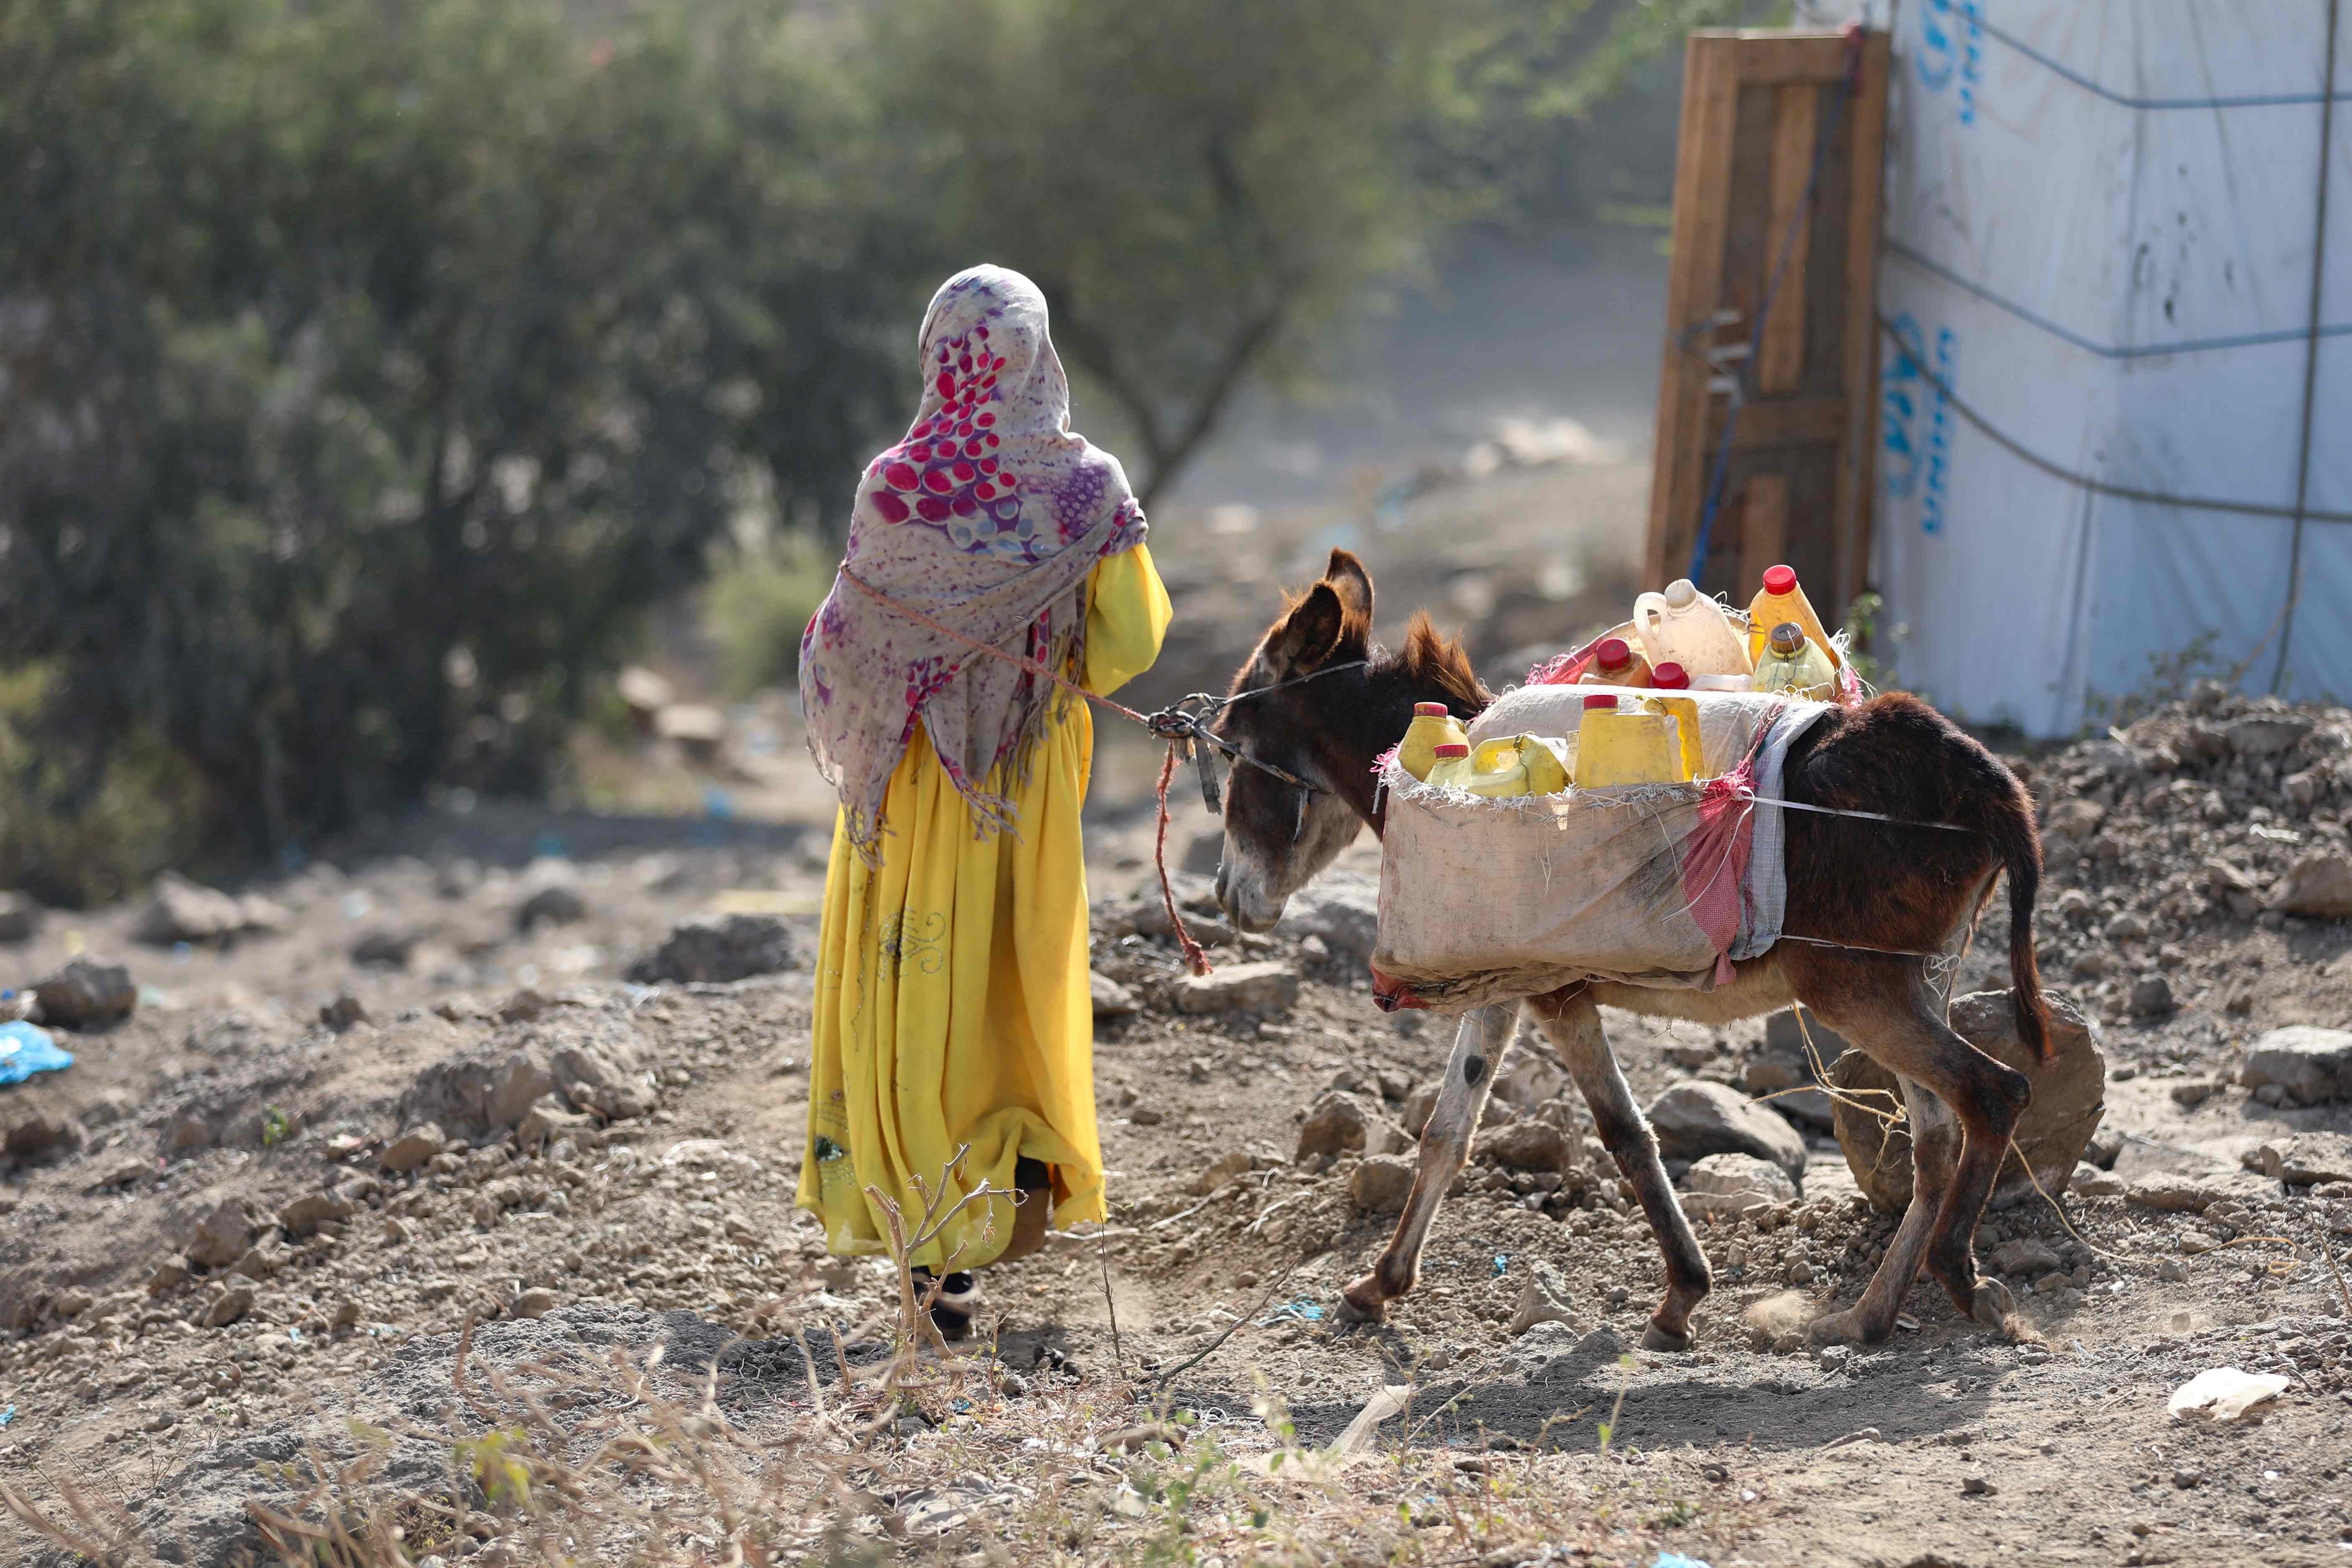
x,y
1378,1408
2224,1393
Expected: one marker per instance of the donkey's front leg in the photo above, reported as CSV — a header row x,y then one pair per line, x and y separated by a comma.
x,y
1444,1150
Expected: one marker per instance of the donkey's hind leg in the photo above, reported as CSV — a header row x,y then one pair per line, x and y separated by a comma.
x,y
1571,1020
1444,1150
1884,1006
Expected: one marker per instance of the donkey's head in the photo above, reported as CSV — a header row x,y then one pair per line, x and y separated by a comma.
x,y
1337,702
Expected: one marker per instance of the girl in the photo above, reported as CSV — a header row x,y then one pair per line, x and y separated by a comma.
x,y
952,1002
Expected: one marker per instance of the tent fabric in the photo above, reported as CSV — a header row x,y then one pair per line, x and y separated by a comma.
x,y
2101,226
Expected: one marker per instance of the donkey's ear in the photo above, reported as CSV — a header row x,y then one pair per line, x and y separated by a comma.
x,y
1304,639
1353,584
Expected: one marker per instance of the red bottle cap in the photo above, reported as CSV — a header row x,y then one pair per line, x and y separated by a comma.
x,y
1601,700
1450,749
1779,579
1670,677
1428,710
1612,653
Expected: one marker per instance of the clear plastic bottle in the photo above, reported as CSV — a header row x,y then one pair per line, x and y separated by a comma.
x,y
1795,664
1431,727
1783,600
1614,663
1683,627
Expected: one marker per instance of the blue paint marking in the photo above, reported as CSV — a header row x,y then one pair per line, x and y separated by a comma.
x,y
1951,51
1918,460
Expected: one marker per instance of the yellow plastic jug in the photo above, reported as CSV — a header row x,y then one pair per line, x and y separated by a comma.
x,y
1450,767
1795,663
1431,727
1625,746
1683,710
1496,769
1518,765
1783,600
1683,626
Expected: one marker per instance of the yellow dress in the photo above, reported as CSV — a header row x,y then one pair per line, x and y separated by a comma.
x,y
952,1004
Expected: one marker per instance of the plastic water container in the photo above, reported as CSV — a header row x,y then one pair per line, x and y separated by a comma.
x,y
1614,663
1433,726
1617,746
1783,600
1683,626
1796,664
1449,764
1518,765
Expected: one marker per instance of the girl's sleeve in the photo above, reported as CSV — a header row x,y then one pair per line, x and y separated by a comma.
x,y
1128,613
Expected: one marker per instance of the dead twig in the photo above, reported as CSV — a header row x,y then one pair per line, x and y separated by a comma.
x,y
1161,1383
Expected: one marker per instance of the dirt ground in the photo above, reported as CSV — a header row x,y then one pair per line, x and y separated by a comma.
x,y
208,1267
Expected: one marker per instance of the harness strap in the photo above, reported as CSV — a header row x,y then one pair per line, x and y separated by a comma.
x,y
1184,725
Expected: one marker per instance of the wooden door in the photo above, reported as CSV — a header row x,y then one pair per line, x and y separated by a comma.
x,y
1777,175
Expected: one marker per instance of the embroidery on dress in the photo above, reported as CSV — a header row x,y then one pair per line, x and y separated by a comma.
x,y
913,944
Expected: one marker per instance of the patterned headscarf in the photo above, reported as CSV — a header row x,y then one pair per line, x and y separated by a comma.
x,y
986,517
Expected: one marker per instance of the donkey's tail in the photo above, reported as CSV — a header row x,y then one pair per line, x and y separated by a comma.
x,y
2008,823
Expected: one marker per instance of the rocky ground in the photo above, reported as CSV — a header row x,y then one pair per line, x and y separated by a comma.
x,y
472,1075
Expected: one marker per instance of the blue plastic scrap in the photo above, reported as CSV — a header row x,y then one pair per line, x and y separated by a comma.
x,y
1299,1309
1677,1560
1502,1264
8,1415
25,1050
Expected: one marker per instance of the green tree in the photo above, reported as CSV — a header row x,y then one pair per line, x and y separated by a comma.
x,y
371,365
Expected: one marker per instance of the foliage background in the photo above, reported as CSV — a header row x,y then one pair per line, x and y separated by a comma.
x,y
369,369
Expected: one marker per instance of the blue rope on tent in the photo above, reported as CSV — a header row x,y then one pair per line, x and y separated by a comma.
x,y
2067,73
2111,351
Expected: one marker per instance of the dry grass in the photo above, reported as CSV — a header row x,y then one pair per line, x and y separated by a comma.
x,y
927,1455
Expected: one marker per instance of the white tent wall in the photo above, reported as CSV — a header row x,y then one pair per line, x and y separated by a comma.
x,y
2114,271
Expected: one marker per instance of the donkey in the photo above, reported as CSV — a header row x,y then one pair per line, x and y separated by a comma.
x,y
1850,881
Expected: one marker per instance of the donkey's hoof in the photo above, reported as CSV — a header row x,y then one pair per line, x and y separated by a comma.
x,y
1992,1304
1657,1337
1362,1302
1846,1328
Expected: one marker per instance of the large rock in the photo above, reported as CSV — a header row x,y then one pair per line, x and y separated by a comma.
x,y
413,1148
1694,1120
2307,1159
1542,1299
1265,987
2265,734
32,1132
1529,1144
486,1089
20,918
718,950
1734,1183
1339,1122
1380,1184
220,1234
306,1214
1111,1000
1529,1073
593,1059
2310,1066
2180,1192
87,994
1781,1073
2319,886
1341,908
551,895
180,911
2069,1099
